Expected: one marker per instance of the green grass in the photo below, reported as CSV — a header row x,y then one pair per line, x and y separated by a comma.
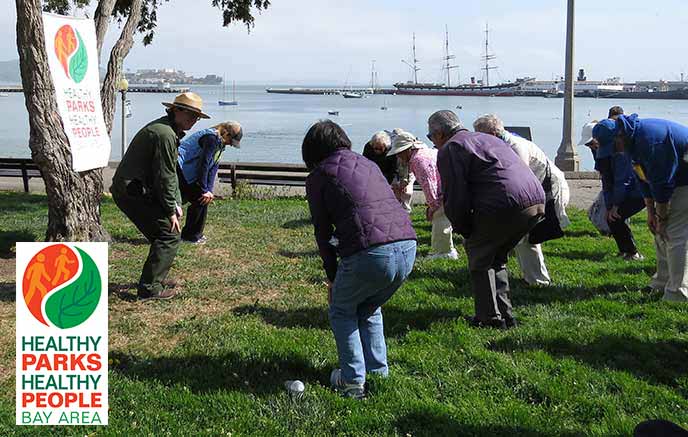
x,y
594,355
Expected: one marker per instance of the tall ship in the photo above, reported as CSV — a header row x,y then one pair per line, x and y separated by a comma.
x,y
474,88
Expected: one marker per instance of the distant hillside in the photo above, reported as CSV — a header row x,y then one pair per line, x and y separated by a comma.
x,y
9,71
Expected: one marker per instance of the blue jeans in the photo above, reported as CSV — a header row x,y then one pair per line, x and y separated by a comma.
x,y
365,281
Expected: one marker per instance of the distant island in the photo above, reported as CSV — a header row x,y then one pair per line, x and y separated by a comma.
x,y
170,76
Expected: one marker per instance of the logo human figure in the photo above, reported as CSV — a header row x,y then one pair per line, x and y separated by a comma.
x,y
36,274
61,273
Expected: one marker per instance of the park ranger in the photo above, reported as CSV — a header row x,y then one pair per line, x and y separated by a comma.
x,y
146,189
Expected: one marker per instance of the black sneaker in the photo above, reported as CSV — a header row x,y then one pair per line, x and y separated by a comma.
x,y
474,322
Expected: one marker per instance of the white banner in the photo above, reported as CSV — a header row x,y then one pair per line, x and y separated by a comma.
x,y
73,60
62,334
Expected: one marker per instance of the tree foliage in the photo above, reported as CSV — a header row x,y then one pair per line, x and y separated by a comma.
x,y
232,11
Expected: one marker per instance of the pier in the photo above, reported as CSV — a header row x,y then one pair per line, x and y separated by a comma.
x,y
330,91
132,89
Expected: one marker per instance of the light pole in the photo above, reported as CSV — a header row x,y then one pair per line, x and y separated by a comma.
x,y
567,158
123,86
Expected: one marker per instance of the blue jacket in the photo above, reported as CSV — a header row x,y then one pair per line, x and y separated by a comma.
x,y
199,157
618,178
660,148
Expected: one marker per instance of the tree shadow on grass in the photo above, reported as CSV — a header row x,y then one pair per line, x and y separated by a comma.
x,y
459,278
583,255
134,241
9,239
7,292
11,202
431,422
125,291
660,362
297,223
582,233
398,322
231,371
297,254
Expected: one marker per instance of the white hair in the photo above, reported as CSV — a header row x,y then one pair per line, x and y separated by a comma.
x,y
489,124
382,137
444,122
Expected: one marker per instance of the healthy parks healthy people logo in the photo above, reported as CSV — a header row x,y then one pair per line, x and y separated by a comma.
x,y
62,334
61,286
71,52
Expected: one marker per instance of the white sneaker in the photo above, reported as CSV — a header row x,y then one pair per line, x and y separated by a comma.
x,y
448,255
356,391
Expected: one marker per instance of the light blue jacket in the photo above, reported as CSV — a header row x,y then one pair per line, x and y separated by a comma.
x,y
199,157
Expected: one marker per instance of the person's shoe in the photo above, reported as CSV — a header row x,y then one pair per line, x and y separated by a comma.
x,y
170,283
633,256
511,322
198,242
165,294
448,255
355,391
474,322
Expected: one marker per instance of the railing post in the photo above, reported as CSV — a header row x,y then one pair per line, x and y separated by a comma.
x,y
25,177
233,177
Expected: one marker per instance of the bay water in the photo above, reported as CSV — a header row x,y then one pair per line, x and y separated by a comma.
x,y
275,124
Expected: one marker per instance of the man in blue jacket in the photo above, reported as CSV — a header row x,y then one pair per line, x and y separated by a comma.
x,y
659,151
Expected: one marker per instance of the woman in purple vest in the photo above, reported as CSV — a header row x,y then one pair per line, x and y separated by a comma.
x,y
356,217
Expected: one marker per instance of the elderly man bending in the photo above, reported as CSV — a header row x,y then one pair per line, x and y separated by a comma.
x,y
493,199
530,257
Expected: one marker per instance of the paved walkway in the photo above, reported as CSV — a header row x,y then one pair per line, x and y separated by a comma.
x,y
583,191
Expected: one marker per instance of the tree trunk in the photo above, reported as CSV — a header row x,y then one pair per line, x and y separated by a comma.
x,y
102,18
73,198
119,51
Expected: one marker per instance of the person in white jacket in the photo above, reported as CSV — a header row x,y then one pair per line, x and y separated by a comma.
x,y
530,256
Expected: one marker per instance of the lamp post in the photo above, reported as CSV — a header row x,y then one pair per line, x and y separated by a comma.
x,y
567,158
123,86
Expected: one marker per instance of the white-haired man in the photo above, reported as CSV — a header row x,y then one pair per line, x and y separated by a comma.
x,y
530,257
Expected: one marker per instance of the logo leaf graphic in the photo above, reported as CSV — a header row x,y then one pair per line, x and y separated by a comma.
x,y
79,62
75,303
65,45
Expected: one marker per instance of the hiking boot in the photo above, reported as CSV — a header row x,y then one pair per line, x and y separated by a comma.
x,y
165,294
474,322
355,391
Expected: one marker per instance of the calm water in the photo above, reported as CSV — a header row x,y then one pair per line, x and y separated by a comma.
x,y
274,124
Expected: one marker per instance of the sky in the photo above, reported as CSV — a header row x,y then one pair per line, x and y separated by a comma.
x,y
333,42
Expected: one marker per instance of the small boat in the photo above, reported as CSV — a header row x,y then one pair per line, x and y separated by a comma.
x,y
333,112
232,102
384,108
352,95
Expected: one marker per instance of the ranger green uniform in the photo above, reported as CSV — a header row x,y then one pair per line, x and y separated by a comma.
x,y
146,189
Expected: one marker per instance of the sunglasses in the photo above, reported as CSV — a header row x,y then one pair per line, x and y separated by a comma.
x,y
429,136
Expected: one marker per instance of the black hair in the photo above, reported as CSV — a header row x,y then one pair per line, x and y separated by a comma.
x,y
322,139
615,110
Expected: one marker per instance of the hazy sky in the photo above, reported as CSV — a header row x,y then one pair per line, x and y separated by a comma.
x,y
330,42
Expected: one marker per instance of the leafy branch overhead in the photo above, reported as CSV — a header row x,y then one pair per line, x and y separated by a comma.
x,y
232,11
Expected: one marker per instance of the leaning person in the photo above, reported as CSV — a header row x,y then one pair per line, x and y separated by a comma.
x,y
146,189
491,198
659,150
530,257
199,159
376,150
356,217
620,190
422,162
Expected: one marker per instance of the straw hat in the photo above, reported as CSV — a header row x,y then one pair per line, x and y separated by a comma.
x,y
404,140
189,102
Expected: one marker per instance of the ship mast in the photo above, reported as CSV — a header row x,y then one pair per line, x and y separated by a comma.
x,y
414,65
488,57
447,56
372,77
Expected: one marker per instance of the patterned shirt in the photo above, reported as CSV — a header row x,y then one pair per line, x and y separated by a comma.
x,y
423,164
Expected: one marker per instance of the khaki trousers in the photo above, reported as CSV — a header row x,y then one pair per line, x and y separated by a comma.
x,y
441,242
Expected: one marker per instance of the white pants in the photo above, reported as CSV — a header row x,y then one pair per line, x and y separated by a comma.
x,y
441,242
532,262
672,254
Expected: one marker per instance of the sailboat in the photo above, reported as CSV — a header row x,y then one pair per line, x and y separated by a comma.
x,y
232,102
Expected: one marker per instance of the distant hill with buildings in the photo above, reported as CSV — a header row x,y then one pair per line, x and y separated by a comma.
x,y
171,76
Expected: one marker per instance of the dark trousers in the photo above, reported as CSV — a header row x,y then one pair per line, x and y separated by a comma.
x,y
488,246
196,213
154,224
620,231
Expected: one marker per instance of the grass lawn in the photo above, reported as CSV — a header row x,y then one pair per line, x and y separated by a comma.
x,y
594,355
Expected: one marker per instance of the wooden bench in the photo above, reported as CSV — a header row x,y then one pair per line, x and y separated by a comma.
x,y
19,168
258,173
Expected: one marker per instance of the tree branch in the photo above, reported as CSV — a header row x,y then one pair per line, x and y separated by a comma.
x,y
102,21
114,68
